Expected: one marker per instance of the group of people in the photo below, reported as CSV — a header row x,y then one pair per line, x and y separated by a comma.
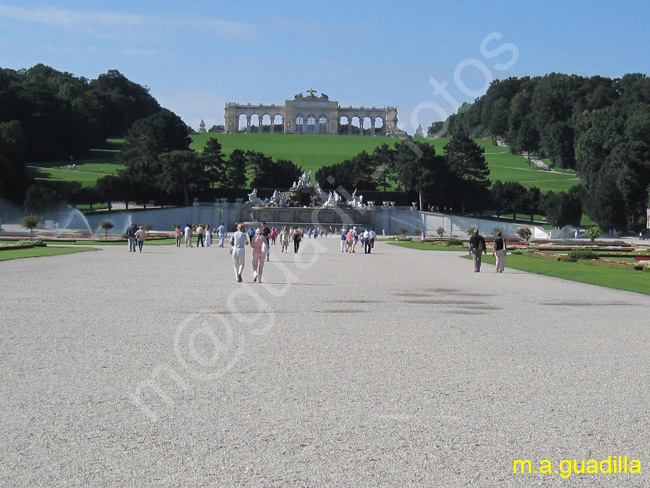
x,y
478,248
203,235
350,238
135,236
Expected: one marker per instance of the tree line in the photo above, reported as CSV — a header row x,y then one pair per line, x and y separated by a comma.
x,y
597,126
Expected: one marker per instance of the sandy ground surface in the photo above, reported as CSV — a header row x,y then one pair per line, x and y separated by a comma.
x,y
399,368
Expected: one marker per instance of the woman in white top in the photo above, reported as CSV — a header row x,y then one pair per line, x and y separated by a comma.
x,y
238,241
208,236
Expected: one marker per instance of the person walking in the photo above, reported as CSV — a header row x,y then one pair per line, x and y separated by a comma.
x,y
500,252
188,235
296,237
284,239
199,236
260,248
477,248
140,236
266,232
343,240
130,235
238,243
221,231
372,235
208,236
179,235
366,241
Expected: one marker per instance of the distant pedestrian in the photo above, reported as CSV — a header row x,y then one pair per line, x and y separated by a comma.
x,y
500,252
221,231
208,236
187,232
259,247
284,239
477,249
179,234
343,239
140,236
130,235
238,243
296,237
199,235
266,232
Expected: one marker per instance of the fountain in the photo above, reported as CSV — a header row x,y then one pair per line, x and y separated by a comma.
x,y
73,219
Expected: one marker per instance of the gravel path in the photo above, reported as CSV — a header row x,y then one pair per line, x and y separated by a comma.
x,y
401,368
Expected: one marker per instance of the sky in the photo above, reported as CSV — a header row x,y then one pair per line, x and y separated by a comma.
x,y
424,57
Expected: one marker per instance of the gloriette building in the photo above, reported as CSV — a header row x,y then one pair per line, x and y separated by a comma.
x,y
310,114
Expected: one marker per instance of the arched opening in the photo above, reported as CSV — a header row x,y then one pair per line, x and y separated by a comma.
x,y
278,123
255,123
322,125
266,123
300,121
380,130
367,126
311,124
242,123
355,126
344,124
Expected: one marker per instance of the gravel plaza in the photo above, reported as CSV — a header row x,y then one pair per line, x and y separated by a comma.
x,y
399,368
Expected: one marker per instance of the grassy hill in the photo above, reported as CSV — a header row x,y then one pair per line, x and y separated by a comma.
x,y
311,152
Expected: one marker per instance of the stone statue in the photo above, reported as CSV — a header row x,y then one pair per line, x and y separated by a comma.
x,y
202,128
419,132
330,202
253,199
356,201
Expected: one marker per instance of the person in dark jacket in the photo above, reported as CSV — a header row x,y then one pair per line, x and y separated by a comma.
x,y
477,248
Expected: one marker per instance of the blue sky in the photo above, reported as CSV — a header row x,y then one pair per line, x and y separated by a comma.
x,y
196,56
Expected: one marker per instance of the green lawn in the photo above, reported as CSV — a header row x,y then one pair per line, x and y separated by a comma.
x,y
35,252
311,152
87,172
607,276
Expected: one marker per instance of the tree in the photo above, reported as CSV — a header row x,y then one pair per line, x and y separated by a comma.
x,y
146,140
562,208
235,176
465,158
384,162
29,222
594,232
106,225
524,233
214,161
182,173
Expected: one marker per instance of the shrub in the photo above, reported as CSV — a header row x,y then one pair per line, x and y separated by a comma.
x,y
402,230
29,222
471,229
148,227
582,254
417,231
454,242
440,231
594,232
106,225
496,230
524,233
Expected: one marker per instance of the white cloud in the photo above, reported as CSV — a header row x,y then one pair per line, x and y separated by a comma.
x,y
89,20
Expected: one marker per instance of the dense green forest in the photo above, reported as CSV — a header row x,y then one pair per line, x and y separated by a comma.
x,y
598,126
